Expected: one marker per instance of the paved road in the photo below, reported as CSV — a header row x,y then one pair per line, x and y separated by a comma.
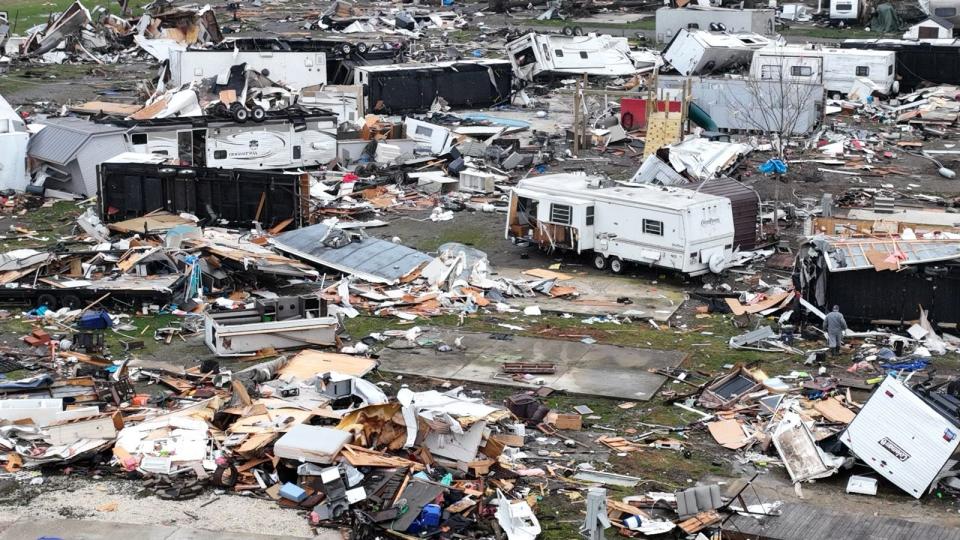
x,y
66,529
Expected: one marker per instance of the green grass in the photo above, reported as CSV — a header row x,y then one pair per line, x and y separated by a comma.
x,y
49,224
26,13
832,32
644,24
464,232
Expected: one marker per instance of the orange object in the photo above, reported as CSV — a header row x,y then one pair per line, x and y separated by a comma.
x,y
140,400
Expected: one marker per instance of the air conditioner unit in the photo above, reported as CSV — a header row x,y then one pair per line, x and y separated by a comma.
x,y
479,181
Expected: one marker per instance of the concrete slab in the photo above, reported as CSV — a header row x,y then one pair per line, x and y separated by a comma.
x,y
604,370
599,293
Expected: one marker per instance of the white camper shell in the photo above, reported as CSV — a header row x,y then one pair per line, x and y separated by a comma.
x,y
698,52
604,56
836,69
902,437
659,226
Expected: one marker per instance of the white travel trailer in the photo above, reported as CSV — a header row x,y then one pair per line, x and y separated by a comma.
x,y
281,141
698,52
837,69
847,11
603,56
658,226
13,148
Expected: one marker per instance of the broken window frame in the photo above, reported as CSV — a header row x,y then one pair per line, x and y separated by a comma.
x,y
771,72
557,214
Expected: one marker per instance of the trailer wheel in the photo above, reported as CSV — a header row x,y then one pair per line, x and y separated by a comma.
x,y
258,114
617,266
599,262
240,114
71,301
567,31
362,48
577,31
48,300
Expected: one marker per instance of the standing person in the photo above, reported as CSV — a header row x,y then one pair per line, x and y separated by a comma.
x,y
834,324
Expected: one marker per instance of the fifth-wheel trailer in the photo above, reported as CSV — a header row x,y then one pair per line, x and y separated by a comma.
x,y
619,223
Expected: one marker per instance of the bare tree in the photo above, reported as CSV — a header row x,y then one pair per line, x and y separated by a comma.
x,y
777,100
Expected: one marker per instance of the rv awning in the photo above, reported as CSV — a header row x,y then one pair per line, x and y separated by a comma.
x,y
541,196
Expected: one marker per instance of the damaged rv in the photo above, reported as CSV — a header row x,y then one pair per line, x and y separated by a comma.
x,y
619,223
838,69
295,63
603,56
71,148
698,52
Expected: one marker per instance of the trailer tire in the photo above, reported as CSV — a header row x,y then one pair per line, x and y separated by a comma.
x,y
617,266
567,31
599,262
71,301
258,114
48,300
240,114
362,48
577,31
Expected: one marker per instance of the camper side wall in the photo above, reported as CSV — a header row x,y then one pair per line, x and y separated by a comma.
x,y
842,68
644,235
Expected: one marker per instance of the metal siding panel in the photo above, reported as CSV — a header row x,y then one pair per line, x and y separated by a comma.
x,y
99,149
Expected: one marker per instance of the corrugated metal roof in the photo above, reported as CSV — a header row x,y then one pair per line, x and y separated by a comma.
x,y
852,254
371,259
61,138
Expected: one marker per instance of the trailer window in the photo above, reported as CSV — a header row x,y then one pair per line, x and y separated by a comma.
x,y
863,71
219,154
558,53
583,54
693,26
771,72
801,71
425,131
138,138
525,56
945,12
589,215
560,213
652,226
844,7
890,69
